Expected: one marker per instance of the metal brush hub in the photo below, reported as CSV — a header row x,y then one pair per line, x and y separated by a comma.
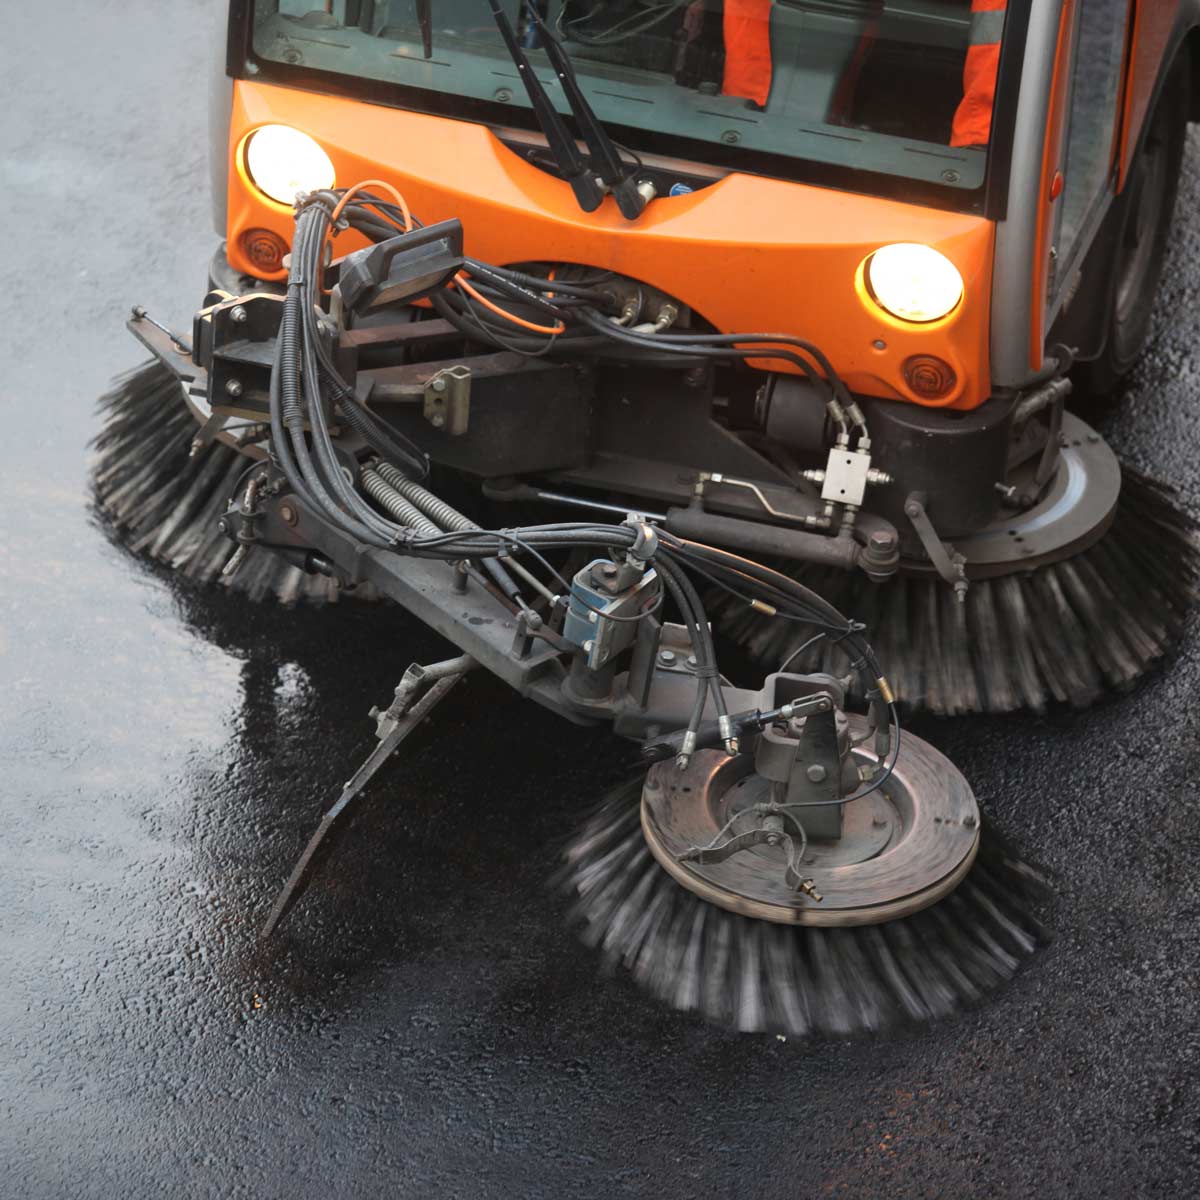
x,y
902,847
1073,511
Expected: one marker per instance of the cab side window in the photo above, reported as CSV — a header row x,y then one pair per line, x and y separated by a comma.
x,y
1100,40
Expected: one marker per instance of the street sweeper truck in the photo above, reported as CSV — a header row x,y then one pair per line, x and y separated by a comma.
x,y
642,346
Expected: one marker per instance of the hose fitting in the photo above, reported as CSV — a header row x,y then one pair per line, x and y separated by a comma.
x,y
725,725
686,750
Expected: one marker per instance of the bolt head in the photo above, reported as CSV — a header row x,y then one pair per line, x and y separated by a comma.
x,y
666,656
239,315
222,526
233,387
882,539
437,420
692,661
816,773
439,385
288,513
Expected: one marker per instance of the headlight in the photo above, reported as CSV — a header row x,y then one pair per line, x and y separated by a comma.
x,y
282,161
914,282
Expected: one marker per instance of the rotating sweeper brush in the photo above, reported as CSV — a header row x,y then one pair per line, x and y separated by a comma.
x,y
716,902
1039,607
163,487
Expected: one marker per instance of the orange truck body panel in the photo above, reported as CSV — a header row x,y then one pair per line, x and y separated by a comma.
x,y
747,253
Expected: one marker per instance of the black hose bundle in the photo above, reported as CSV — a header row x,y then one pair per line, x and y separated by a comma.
x,y
508,308
306,391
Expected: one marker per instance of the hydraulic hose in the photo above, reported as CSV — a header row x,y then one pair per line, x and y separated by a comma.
x,y
308,252
292,421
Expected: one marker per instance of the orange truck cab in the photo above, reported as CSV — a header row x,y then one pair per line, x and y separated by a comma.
x,y
809,279
863,137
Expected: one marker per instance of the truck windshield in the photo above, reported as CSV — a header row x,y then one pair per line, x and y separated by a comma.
x,y
895,97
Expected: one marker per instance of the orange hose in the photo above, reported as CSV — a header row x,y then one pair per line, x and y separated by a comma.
x,y
395,194
461,280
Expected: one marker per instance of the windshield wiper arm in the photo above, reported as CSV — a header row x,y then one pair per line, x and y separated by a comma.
x,y
606,159
425,23
578,173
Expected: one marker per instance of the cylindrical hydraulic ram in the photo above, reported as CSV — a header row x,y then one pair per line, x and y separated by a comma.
x,y
754,537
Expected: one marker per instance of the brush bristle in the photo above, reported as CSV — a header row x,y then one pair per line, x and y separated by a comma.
x,y
756,976
1068,631
164,504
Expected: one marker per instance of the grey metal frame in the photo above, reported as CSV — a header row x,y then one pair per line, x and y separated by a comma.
x,y
1013,273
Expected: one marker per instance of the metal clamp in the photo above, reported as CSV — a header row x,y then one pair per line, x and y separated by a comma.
x,y
448,400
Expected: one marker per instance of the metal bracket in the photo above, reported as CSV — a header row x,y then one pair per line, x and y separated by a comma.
x,y
173,351
947,561
392,726
1052,447
770,832
448,400
205,434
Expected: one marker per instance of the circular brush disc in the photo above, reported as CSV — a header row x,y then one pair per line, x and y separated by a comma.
x,y
901,847
760,975
163,502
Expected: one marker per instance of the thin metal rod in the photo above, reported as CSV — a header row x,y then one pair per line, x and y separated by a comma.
x,y
446,677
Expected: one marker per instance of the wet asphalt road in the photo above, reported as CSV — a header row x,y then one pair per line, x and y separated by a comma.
x,y
425,1027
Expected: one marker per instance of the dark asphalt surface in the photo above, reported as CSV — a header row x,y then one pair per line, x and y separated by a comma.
x,y
426,1027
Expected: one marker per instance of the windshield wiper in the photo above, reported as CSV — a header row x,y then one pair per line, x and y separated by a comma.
x,y
575,170
425,24
606,159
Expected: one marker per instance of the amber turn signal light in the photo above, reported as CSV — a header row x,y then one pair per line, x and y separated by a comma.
x,y
265,249
930,377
